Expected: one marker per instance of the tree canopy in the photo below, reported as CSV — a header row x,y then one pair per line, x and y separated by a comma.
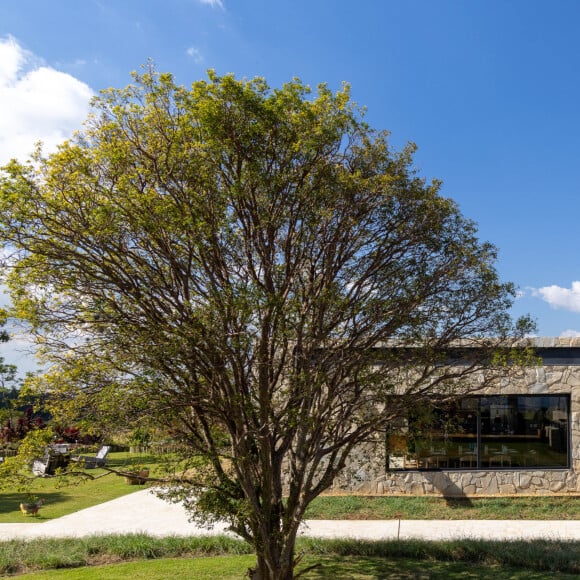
x,y
237,262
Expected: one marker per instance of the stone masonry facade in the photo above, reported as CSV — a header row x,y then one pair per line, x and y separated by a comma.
x,y
366,473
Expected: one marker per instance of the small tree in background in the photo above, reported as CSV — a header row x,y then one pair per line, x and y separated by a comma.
x,y
16,419
232,260
8,375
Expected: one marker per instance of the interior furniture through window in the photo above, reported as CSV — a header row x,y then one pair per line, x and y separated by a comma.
x,y
485,432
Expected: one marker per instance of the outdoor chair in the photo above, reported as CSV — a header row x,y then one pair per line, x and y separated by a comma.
x,y
44,466
92,461
48,464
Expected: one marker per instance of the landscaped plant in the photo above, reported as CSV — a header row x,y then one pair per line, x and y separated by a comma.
x,y
75,434
16,428
136,474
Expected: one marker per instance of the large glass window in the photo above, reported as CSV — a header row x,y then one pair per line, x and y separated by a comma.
x,y
507,431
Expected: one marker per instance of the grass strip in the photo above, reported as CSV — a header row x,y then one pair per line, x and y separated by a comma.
x,y
438,508
550,556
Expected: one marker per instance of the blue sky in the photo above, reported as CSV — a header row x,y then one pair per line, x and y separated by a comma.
x,y
488,90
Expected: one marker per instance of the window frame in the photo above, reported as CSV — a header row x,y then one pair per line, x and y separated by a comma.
x,y
515,448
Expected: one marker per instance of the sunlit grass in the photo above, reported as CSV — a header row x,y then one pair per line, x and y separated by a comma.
x,y
62,497
436,508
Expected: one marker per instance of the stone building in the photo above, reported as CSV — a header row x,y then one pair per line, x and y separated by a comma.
x,y
522,437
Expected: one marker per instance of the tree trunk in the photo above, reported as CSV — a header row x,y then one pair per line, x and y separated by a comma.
x,y
275,555
265,570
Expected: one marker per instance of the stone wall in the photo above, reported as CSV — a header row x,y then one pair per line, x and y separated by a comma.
x,y
366,471
473,483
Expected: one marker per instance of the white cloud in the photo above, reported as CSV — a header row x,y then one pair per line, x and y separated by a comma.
x,y
19,351
570,333
213,3
558,297
38,103
195,54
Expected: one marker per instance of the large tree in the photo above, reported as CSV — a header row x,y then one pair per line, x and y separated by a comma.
x,y
257,270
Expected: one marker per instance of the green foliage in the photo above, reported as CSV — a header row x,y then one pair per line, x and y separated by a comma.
x,y
7,376
15,471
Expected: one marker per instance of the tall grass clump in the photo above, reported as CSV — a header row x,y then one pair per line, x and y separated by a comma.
x,y
144,547
18,556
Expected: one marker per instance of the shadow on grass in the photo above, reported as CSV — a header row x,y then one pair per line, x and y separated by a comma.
x,y
459,503
10,502
347,568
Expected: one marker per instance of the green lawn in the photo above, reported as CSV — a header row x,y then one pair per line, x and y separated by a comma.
x,y
234,568
62,498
